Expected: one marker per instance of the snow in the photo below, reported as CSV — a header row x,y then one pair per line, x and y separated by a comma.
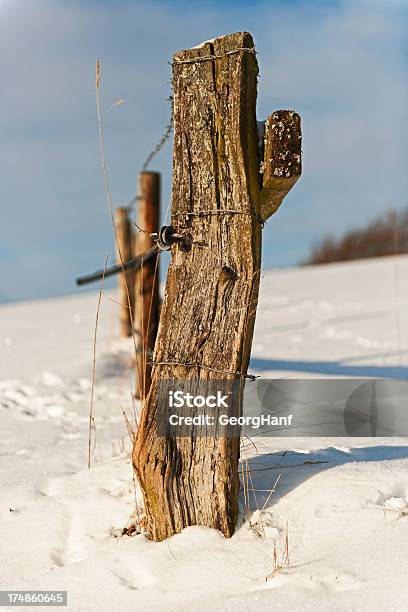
x,y
342,502
206,42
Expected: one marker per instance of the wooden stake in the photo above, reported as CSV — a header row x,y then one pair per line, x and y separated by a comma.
x,y
146,318
209,308
125,244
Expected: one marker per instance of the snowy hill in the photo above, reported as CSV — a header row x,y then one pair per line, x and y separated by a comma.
x,y
342,502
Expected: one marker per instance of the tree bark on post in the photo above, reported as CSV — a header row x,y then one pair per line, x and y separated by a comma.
x,y
125,245
209,308
146,317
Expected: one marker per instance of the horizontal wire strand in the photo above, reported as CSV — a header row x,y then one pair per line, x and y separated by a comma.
x,y
206,58
203,366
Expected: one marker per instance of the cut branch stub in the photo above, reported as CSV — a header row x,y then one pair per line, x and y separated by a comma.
x,y
282,165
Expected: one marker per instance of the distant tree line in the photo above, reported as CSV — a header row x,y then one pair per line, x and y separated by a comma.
x,y
386,235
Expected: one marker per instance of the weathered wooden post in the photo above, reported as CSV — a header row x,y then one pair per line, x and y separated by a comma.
x,y
209,307
126,281
146,317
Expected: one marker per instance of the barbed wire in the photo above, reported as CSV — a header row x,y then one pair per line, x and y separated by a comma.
x,y
164,138
205,58
203,366
140,229
169,127
207,213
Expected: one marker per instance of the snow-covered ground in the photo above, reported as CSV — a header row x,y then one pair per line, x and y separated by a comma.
x,y
342,503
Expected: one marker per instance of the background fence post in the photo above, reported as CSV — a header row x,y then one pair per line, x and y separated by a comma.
x,y
146,317
124,234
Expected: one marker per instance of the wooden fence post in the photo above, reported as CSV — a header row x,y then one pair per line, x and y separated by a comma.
x,y
209,307
146,317
124,235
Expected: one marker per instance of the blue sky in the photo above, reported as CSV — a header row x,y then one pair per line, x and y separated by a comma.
x,y
342,65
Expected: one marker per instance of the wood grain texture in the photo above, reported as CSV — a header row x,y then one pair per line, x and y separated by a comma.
x,y
125,244
212,289
146,318
282,160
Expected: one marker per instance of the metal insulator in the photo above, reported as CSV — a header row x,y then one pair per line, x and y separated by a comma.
x,y
166,237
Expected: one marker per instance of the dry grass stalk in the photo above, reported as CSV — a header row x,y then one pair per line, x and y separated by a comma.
x,y
107,189
285,561
116,103
91,417
110,208
258,527
131,429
